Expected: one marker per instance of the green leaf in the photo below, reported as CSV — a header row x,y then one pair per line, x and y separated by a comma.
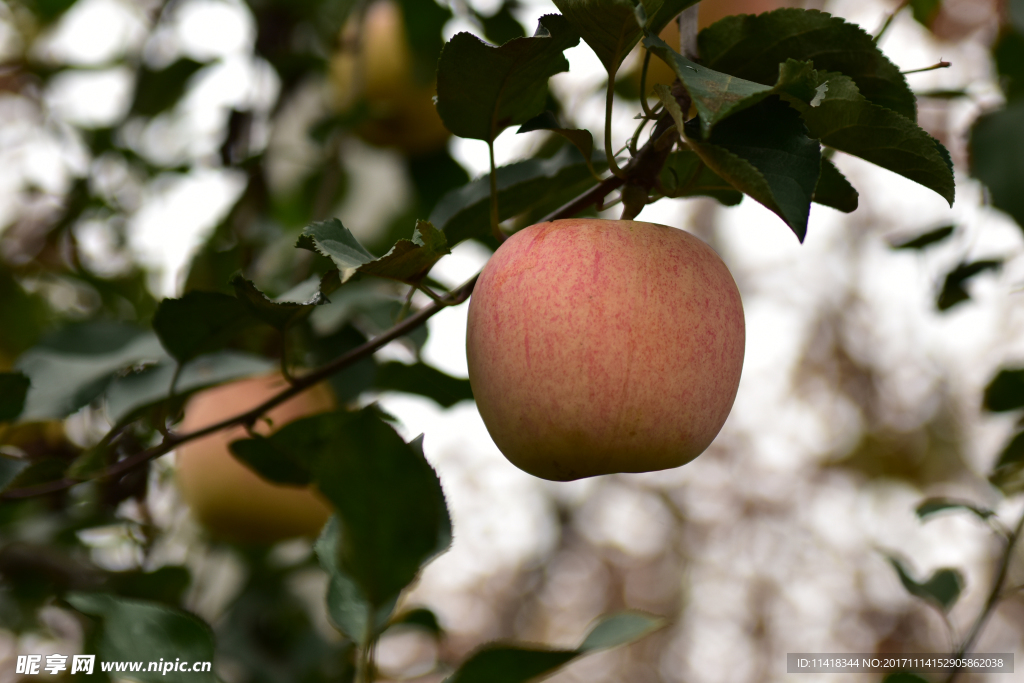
x,y
10,468
420,618
531,185
481,89
751,47
846,120
660,12
620,628
609,27
834,190
347,606
509,663
332,239
765,152
157,91
1005,392
502,26
166,584
130,393
409,261
389,502
267,459
996,150
1008,53
926,239
65,377
91,463
686,175
1016,8
1008,473
423,380
933,506
954,290
424,22
582,139
199,322
14,388
136,630
942,588
291,306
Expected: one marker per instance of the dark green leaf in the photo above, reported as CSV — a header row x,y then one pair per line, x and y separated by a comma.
x,y
845,120
49,10
10,468
834,190
582,139
942,589
134,630
291,306
424,380
420,618
424,22
481,89
752,47
274,464
91,463
1005,391
502,26
997,157
522,186
925,10
933,506
65,378
954,289
199,322
1008,473
765,152
1008,53
409,261
135,391
926,239
609,27
332,239
686,175
346,603
1016,8
509,663
391,509
38,472
13,390
157,91
660,12
166,584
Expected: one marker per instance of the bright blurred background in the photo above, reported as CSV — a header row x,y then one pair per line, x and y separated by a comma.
x,y
859,397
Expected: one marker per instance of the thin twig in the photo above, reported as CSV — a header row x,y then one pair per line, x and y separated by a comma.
x,y
993,598
888,21
933,67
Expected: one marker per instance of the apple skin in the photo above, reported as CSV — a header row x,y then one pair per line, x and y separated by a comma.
x,y
401,112
600,346
229,499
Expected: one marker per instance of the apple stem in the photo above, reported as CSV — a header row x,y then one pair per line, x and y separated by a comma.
x,y
495,224
643,91
609,99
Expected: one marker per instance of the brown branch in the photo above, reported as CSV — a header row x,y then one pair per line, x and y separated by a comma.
x,y
300,384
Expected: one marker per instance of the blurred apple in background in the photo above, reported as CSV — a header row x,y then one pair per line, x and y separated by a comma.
x,y
230,500
374,66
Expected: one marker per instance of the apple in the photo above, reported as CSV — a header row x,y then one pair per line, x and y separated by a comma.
x,y
229,499
601,346
375,65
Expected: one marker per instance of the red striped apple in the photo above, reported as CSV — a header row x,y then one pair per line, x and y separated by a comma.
x,y
600,346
